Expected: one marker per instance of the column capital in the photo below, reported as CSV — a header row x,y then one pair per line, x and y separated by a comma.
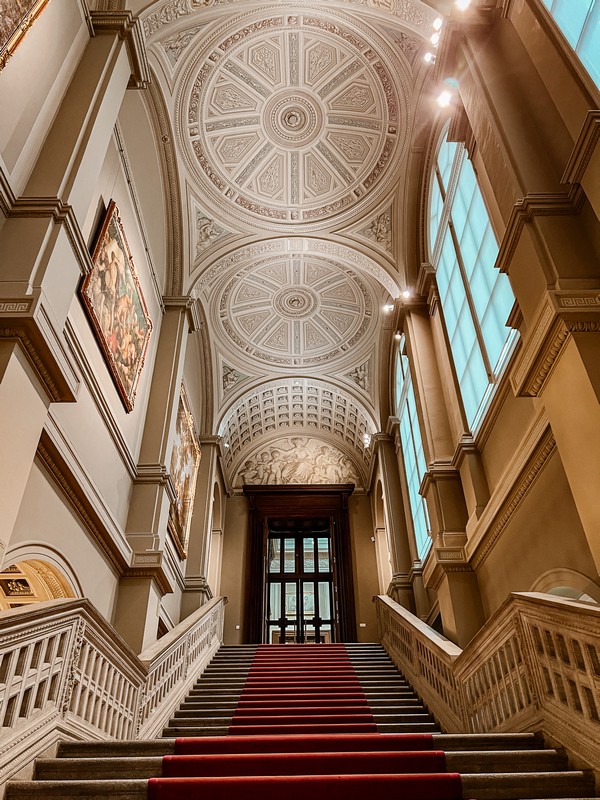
x,y
127,27
186,303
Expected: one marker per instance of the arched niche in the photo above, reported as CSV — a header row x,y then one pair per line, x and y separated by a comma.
x,y
24,583
568,583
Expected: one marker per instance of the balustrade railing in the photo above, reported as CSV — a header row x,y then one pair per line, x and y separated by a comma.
x,y
65,672
535,665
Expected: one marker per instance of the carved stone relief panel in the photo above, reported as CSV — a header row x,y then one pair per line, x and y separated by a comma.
x,y
297,459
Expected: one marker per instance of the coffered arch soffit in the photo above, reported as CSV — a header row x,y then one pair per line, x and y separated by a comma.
x,y
286,118
274,414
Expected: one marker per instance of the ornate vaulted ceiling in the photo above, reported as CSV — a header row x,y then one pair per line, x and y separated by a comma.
x,y
291,123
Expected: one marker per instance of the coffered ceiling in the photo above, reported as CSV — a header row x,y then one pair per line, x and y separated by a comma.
x,y
291,122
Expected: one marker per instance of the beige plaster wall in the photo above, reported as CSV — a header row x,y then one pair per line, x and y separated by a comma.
x,y
364,566
543,534
45,519
233,576
34,82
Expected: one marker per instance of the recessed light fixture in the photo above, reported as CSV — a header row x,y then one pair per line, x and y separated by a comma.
x,y
444,99
397,336
462,5
406,294
429,58
388,307
435,39
437,23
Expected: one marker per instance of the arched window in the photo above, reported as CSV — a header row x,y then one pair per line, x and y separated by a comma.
x,y
412,450
476,298
579,22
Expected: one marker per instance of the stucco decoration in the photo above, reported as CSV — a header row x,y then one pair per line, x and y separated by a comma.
x,y
292,120
414,14
297,459
361,376
379,230
296,407
295,311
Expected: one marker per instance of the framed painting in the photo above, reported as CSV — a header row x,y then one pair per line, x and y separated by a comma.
x,y
16,17
113,299
185,459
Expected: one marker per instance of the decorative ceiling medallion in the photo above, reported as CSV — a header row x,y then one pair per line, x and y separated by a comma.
x,y
293,121
294,311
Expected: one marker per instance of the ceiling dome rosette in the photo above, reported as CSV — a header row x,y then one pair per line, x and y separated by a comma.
x,y
293,119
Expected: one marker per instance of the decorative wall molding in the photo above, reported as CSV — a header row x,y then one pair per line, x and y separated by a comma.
x,y
128,27
584,148
559,315
99,397
78,498
536,450
533,205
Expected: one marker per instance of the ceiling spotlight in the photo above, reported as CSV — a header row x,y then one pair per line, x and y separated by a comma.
x,y
397,336
226,445
406,294
437,23
388,307
429,58
435,39
367,439
462,5
444,99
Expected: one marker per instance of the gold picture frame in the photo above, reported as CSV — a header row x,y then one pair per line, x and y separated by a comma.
x,y
115,304
16,17
185,460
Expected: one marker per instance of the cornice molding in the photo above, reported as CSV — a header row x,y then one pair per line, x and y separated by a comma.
x,y
158,475
187,303
584,148
559,315
28,321
533,205
127,27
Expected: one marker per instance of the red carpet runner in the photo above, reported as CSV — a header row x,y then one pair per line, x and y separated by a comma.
x,y
302,727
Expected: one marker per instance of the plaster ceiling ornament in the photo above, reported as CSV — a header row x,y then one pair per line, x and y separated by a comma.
x,y
360,375
379,230
295,310
293,121
207,232
230,377
296,406
297,459
412,13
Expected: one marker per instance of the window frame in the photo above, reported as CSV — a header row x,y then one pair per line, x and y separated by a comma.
x,y
445,225
402,404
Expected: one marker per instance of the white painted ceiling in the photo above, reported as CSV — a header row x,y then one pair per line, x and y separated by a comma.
x,y
291,122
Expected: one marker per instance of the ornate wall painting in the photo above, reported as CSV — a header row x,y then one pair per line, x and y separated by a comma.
x,y
113,299
185,459
16,17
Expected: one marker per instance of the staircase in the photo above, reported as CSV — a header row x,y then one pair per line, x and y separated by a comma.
x,y
331,721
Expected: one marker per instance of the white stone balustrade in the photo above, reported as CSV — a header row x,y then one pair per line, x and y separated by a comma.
x,y
534,666
66,674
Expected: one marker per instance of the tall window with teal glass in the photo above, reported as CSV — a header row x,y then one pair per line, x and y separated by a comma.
x,y
476,297
412,451
579,21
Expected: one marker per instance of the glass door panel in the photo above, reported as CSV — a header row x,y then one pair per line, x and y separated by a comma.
x,y
300,597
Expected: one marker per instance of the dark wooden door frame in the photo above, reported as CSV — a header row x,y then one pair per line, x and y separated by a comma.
x,y
298,501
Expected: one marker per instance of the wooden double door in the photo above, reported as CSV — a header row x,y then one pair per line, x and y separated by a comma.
x,y
299,580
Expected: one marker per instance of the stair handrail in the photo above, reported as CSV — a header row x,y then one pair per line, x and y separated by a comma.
x,y
534,666
65,673
175,661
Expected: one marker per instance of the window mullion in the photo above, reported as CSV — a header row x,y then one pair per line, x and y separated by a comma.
x,y
470,302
